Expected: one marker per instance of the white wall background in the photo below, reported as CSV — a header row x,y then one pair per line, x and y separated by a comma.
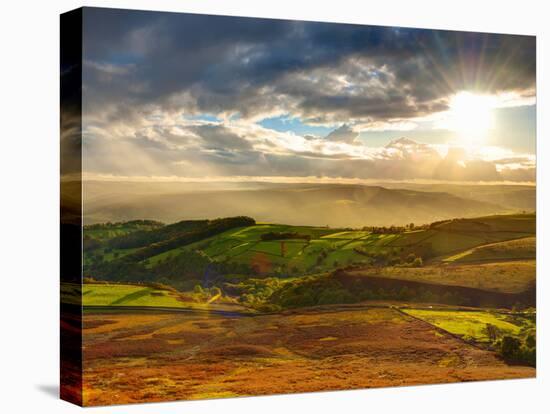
x,y
29,159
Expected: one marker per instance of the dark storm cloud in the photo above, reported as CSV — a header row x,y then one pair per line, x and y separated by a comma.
x,y
325,72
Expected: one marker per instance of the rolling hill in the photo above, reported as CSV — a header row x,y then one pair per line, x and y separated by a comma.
x,y
520,249
210,252
334,205
512,196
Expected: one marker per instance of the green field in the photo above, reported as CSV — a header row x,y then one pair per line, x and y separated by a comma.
x,y
344,247
244,245
457,241
127,295
472,325
121,295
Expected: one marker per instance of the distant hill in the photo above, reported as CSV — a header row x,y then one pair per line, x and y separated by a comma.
x,y
511,196
334,205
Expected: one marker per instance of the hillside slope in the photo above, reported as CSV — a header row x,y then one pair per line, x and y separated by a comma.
x,y
207,252
334,205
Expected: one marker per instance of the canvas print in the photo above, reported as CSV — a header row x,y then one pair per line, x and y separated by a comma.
x,y
258,206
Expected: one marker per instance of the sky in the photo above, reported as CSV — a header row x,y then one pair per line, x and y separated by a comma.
x,y
184,96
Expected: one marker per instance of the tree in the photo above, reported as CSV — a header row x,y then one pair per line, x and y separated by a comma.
x,y
395,261
510,346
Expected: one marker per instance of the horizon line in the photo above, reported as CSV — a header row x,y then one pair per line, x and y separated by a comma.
x,y
278,180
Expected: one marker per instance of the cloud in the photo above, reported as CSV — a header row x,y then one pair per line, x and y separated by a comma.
x,y
519,174
220,137
345,133
200,149
323,72
150,77
407,148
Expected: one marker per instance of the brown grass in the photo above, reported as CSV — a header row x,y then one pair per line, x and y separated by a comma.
x,y
191,357
506,277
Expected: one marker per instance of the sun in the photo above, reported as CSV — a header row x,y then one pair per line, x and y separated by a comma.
x,y
471,116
